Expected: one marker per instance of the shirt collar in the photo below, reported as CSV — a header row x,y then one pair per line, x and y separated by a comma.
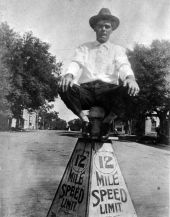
x,y
106,44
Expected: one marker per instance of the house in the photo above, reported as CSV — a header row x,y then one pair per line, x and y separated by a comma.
x,y
151,125
29,120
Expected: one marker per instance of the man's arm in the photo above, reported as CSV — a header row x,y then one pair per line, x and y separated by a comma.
x,y
73,70
66,80
130,82
125,72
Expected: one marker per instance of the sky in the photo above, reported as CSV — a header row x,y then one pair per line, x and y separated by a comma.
x,y
64,24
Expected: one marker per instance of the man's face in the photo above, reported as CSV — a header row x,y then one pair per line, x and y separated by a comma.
x,y
103,30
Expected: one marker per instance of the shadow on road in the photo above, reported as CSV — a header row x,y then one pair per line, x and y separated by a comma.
x,y
148,142
74,134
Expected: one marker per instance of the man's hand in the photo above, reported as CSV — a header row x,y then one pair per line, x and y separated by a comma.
x,y
65,81
133,88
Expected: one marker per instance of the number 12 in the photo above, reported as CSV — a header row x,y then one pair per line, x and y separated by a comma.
x,y
104,162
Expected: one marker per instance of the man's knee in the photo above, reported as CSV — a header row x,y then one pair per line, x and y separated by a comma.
x,y
74,90
122,90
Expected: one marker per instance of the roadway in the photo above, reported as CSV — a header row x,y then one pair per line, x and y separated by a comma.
x,y
32,164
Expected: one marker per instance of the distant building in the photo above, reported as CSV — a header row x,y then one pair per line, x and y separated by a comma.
x,y
119,126
151,124
29,120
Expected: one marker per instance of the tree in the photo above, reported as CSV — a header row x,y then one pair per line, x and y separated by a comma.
x,y
31,70
75,124
152,68
60,124
49,119
45,117
7,38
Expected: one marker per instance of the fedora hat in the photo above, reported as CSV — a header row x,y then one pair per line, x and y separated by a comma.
x,y
104,14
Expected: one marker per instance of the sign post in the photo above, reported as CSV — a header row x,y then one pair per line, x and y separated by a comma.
x,y
92,184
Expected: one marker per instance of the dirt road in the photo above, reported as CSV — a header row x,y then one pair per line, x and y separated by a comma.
x,y
32,164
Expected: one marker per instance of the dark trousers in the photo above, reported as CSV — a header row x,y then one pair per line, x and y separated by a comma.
x,y
97,93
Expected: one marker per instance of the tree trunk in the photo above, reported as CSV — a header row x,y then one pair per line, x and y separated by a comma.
x,y
130,127
43,122
9,123
37,120
17,122
164,127
140,125
169,129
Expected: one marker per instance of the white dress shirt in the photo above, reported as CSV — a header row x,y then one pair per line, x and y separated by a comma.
x,y
94,61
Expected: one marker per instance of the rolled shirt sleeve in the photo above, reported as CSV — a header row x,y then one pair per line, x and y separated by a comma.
x,y
74,69
122,64
79,55
76,63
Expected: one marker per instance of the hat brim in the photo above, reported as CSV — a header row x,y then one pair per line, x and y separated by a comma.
x,y
114,20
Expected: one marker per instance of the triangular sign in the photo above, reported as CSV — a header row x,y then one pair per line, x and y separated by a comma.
x,y
92,184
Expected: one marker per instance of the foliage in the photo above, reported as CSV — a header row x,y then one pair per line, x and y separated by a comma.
x,y
60,124
32,78
6,41
152,69
31,70
49,119
45,116
75,124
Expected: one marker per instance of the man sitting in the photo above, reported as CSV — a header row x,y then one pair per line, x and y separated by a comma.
x,y
98,66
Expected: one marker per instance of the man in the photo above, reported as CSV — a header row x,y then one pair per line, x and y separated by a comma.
x,y
98,66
